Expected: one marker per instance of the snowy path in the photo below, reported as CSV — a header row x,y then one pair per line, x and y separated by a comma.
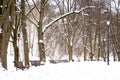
x,y
65,71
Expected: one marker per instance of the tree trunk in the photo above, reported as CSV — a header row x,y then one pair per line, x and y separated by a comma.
x,y
70,50
0,43
118,54
91,47
16,49
15,35
3,51
24,31
40,33
84,45
6,27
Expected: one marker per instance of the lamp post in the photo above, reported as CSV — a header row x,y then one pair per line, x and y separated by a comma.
x,y
1,7
108,25
1,32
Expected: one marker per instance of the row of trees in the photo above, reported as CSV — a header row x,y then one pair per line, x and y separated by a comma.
x,y
60,28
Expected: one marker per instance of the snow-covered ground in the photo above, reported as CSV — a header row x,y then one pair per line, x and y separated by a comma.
x,y
64,71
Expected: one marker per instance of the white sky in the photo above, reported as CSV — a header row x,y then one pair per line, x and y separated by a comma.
x,y
115,5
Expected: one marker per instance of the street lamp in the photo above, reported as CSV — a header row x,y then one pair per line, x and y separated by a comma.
x,y
1,33
108,25
0,30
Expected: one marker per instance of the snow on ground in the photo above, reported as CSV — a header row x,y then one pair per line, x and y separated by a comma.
x,y
64,71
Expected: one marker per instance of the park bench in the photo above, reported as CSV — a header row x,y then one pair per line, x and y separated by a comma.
x,y
58,61
53,61
36,63
62,61
19,65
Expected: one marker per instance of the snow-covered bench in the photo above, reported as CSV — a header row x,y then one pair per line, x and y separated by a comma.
x,y
36,63
58,61
19,65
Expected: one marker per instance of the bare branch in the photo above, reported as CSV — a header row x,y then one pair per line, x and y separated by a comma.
x,y
67,14
31,9
31,21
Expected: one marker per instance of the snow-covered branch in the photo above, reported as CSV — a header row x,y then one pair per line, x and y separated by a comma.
x,y
67,14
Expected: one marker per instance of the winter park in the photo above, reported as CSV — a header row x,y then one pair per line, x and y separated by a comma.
x,y
59,39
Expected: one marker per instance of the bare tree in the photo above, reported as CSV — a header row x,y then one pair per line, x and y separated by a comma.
x,y
6,28
115,30
38,22
24,31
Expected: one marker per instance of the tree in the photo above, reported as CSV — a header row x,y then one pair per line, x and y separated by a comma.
x,y
40,33
24,31
115,30
16,35
6,28
38,8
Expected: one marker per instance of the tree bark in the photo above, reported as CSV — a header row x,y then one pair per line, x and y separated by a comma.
x,y
6,30
24,31
15,38
40,33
